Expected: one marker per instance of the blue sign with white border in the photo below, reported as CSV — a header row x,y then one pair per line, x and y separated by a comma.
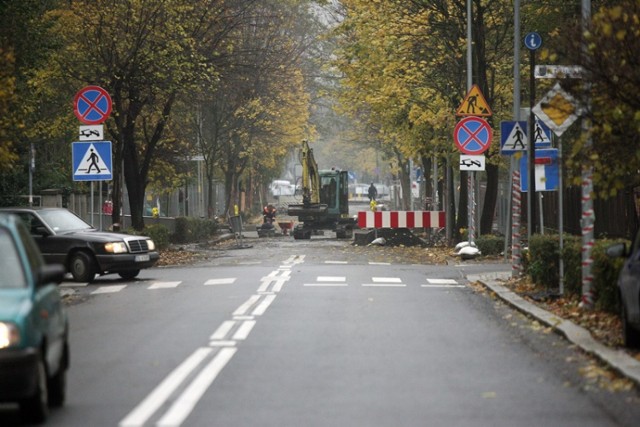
x,y
92,161
547,170
533,41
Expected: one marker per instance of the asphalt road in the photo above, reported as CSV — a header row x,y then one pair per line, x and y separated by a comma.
x,y
287,333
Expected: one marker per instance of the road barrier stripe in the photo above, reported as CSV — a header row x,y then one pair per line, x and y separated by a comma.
x,y
401,219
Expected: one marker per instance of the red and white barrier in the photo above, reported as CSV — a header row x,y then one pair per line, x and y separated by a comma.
x,y
401,219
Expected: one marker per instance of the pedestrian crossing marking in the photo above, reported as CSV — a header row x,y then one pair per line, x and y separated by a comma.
x,y
224,281
108,289
164,285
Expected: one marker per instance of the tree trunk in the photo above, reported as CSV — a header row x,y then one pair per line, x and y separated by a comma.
x,y
490,200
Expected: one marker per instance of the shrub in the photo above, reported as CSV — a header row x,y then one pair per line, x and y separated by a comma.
x,y
490,244
193,230
605,272
159,234
544,256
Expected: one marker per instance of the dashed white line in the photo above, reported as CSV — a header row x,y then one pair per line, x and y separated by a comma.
x,y
262,307
244,330
223,330
331,278
386,280
246,305
336,262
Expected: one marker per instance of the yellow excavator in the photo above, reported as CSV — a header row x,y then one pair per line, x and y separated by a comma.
x,y
325,200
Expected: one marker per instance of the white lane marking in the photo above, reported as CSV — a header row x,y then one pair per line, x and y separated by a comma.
x,y
385,285
242,317
262,307
226,281
223,330
386,280
442,281
278,285
141,413
222,343
325,284
108,289
182,407
164,285
379,263
336,262
331,278
244,330
442,286
250,262
242,310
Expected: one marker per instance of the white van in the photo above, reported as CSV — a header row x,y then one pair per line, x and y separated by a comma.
x,y
281,187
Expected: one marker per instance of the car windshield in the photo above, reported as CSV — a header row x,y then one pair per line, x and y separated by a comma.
x,y
12,272
62,220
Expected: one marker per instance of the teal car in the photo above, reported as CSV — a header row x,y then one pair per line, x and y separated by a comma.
x,y
34,330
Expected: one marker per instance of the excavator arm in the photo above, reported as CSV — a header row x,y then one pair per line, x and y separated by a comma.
x,y
310,176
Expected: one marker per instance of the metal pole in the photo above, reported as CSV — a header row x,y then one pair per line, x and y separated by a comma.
x,y
531,194
588,214
32,168
561,215
470,181
516,259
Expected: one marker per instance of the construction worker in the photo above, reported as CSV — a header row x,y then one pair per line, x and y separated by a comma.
x,y
373,205
269,214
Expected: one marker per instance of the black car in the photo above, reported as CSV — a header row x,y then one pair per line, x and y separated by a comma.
x,y
629,290
64,238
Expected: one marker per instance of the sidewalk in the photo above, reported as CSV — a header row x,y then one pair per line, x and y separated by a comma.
x,y
616,359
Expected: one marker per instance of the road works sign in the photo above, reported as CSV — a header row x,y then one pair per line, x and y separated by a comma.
x,y
92,161
472,135
474,104
558,110
92,105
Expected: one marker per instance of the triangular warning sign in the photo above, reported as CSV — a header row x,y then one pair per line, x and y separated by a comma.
x,y
92,163
517,139
474,104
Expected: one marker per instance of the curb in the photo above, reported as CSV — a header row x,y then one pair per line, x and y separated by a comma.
x,y
616,359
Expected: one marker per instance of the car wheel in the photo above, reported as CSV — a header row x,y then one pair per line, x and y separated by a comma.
x,y
35,408
58,383
82,267
630,335
129,274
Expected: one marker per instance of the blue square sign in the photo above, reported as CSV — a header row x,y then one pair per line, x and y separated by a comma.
x,y
92,161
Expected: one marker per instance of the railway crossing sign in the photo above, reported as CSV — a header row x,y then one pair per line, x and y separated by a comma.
x,y
472,135
92,105
92,161
474,104
547,171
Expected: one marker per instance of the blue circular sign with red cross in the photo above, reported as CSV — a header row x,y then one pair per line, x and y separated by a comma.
x,y
472,135
92,105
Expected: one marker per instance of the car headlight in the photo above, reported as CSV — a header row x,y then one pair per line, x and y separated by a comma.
x,y
9,335
151,245
115,247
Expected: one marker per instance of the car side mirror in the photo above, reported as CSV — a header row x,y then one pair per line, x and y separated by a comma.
x,y
617,250
50,273
40,230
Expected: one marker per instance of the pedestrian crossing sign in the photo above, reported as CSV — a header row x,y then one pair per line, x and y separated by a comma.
x,y
474,104
92,161
513,137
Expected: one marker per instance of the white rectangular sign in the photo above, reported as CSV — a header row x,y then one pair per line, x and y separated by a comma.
x,y
92,133
472,163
